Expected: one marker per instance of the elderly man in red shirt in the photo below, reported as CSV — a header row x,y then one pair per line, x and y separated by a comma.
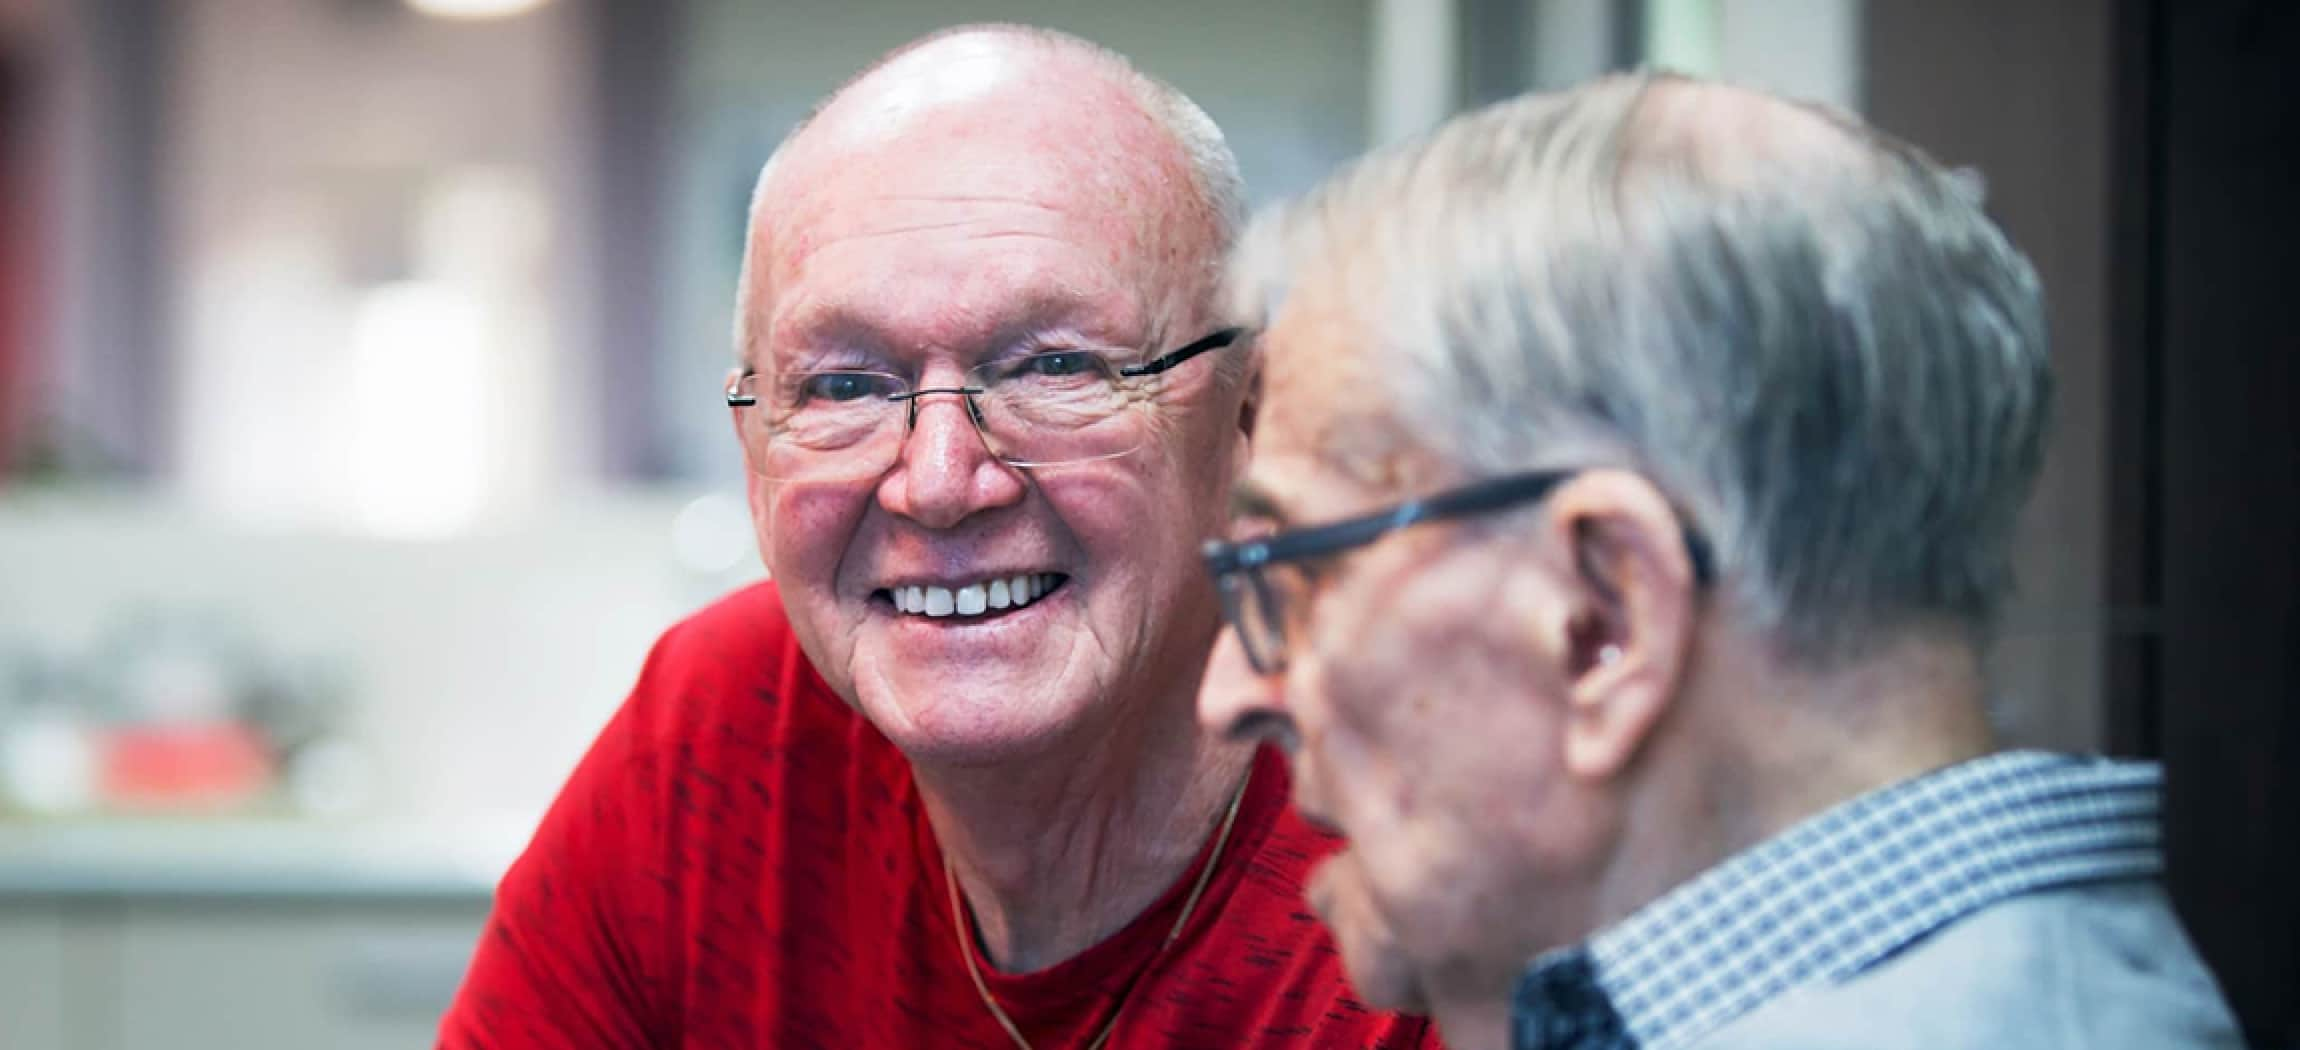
x,y
940,783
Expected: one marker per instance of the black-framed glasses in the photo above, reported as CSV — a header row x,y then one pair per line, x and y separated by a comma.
x,y
1255,604
1052,407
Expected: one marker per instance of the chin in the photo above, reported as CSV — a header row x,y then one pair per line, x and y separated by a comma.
x,y
1379,971
1385,984
932,718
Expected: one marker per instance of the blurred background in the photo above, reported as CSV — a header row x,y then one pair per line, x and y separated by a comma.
x,y
360,425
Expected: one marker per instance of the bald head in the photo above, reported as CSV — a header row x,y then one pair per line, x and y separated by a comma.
x,y
1011,112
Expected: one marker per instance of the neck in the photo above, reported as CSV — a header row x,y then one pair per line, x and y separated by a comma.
x,y
1480,1023
1056,852
1760,748
1747,749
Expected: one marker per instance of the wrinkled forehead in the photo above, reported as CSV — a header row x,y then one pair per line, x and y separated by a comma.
x,y
1328,412
962,252
945,184
1005,182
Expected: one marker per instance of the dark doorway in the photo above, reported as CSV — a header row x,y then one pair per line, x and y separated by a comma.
x,y
2146,155
2205,481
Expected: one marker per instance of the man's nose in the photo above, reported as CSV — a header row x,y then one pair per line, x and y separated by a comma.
x,y
947,471
1239,703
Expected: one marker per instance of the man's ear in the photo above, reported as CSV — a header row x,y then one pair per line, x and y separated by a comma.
x,y
1632,600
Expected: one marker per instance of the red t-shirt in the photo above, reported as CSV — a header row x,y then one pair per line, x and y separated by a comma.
x,y
742,861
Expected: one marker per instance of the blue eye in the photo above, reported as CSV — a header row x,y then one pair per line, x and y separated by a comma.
x,y
1058,364
844,386
1066,361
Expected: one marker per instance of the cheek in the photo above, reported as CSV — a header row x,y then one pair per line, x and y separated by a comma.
x,y
805,531
1370,947
1361,761
1375,676
1424,731
1096,504
1194,434
1137,522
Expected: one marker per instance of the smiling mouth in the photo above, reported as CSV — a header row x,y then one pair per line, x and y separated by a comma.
x,y
980,600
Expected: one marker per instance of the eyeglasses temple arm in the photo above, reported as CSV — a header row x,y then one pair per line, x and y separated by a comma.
x,y
1156,365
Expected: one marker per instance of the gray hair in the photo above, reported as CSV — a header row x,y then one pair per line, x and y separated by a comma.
x,y
1213,168
1818,344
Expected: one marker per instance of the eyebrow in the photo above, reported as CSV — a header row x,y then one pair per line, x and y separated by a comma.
x,y
1250,499
818,325
1035,312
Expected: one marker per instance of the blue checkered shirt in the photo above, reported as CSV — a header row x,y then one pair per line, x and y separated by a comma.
x,y
1839,893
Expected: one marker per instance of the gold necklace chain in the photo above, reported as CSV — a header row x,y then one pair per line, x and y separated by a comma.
x,y
1189,904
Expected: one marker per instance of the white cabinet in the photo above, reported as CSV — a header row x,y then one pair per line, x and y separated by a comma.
x,y
254,973
31,978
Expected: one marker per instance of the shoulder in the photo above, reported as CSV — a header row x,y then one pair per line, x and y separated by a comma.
x,y
742,640
744,767
730,723
733,665
2097,966
663,863
1267,974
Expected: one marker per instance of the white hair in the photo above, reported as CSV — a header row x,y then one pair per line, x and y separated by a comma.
x,y
1806,333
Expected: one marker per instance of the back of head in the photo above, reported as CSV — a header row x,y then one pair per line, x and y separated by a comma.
x,y
1805,332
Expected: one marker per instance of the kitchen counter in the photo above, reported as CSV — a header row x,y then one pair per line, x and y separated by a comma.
x,y
254,858
253,934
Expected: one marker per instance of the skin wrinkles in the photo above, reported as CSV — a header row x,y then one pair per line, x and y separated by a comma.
x,y
1119,252
954,225
845,242
893,216
857,301
1055,749
1533,725
1371,751
966,198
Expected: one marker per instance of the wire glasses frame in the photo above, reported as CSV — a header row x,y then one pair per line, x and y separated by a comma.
x,y
1252,604
1080,389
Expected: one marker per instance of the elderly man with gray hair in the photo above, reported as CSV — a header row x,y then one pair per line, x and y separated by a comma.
x,y
1632,494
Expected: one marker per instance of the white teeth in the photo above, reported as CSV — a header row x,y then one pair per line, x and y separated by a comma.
x,y
974,599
